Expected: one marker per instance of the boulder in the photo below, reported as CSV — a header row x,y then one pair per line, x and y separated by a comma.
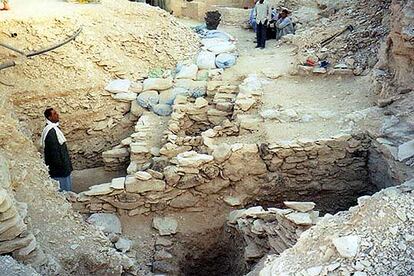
x,y
165,225
168,97
118,183
158,84
108,223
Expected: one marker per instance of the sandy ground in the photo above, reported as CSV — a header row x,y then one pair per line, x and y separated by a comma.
x,y
323,100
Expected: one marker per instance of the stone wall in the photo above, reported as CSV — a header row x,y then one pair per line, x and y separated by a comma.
x,y
194,181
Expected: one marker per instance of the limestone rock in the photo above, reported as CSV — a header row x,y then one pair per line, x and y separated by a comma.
x,y
347,246
163,242
171,175
125,96
201,102
108,223
123,245
101,189
300,218
300,206
193,159
222,152
245,103
406,150
184,201
157,84
118,183
6,204
116,153
134,185
232,200
12,245
165,225
144,176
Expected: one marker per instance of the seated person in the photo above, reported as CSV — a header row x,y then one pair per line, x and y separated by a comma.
x,y
284,25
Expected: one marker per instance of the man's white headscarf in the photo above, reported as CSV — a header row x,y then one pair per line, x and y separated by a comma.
x,y
48,127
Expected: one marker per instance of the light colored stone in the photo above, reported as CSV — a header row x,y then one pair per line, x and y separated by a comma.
x,y
222,152
232,200
132,167
123,245
201,102
137,186
300,218
6,204
406,150
12,245
144,176
193,159
347,246
125,96
116,153
245,103
108,223
138,148
300,206
235,215
101,189
165,225
118,183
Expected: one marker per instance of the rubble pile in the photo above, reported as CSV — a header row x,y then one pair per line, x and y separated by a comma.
x,y
373,238
356,50
274,230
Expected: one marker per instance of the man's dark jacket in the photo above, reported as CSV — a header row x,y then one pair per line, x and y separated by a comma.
x,y
57,156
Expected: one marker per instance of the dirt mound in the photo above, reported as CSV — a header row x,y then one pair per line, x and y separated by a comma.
x,y
118,40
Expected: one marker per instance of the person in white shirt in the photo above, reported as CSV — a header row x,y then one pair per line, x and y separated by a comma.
x,y
262,15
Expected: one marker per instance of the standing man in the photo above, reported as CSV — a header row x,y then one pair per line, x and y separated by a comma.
x,y
56,152
262,14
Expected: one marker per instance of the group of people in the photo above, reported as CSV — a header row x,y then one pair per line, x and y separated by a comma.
x,y
263,16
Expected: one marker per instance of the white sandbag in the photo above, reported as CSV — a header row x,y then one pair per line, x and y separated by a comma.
x,y
148,99
187,72
225,60
206,60
162,109
208,42
219,34
195,89
158,84
223,47
116,86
